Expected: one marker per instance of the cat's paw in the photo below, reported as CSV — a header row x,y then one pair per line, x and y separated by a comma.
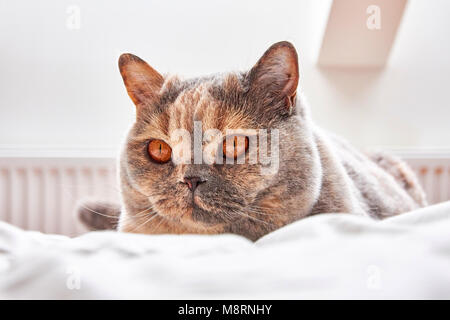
x,y
98,215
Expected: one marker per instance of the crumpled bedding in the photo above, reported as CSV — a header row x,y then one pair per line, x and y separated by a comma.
x,y
328,256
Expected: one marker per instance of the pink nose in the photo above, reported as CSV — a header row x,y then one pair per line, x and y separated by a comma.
x,y
193,182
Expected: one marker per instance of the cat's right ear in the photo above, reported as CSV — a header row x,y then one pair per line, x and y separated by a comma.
x,y
275,77
143,83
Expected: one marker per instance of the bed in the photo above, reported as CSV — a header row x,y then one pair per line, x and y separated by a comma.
x,y
328,256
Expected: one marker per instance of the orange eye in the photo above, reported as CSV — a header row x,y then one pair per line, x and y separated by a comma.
x,y
234,146
159,151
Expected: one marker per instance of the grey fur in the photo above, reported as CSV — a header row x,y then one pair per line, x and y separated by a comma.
x,y
318,172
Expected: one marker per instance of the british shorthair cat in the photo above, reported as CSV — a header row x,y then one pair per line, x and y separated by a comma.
x,y
193,162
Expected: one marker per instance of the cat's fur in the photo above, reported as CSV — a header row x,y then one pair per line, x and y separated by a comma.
x,y
318,172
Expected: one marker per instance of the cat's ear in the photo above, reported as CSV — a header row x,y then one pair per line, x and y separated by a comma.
x,y
275,76
143,83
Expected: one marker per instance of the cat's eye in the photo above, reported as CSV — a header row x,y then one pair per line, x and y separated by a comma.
x,y
159,151
234,146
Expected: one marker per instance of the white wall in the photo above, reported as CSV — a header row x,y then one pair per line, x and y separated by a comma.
x,y
405,105
61,87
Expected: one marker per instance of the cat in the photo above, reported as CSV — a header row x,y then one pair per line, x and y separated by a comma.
x,y
317,172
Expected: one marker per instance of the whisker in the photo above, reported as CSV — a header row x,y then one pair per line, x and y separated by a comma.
x,y
157,226
253,218
152,216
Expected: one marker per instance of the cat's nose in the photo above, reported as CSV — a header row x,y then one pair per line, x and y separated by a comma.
x,y
193,182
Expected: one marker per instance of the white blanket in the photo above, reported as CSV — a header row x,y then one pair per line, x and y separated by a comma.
x,y
325,256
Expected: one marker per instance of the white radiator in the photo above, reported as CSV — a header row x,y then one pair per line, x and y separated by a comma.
x,y
434,176
41,194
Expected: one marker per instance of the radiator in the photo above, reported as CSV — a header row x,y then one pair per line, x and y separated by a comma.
x,y
434,176
42,194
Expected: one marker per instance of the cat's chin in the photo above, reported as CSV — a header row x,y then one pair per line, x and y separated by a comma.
x,y
205,217
196,220
194,216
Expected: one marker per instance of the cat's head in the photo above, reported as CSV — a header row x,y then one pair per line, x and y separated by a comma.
x,y
193,160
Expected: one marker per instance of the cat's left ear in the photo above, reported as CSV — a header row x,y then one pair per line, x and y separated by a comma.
x,y
275,76
143,83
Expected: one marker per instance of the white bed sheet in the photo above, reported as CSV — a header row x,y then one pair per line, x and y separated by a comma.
x,y
325,256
